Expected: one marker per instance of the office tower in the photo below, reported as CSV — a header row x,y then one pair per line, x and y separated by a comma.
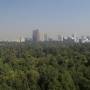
x,y
88,37
60,38
36,35
45,37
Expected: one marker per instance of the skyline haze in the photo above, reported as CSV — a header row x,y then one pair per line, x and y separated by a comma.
x,y
20,17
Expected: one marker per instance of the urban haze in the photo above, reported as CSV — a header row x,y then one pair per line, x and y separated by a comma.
x,y
18,18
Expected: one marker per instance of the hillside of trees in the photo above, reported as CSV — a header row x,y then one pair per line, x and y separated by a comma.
x,y
44,66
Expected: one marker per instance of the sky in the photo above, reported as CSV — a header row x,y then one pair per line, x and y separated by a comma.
x,y
21,17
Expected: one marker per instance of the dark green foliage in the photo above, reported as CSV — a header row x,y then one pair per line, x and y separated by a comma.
x,y
44,66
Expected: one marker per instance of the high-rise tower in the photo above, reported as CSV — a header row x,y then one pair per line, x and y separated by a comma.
x,y
36,35
45,37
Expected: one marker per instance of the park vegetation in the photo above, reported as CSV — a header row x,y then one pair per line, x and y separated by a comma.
x,y
44,66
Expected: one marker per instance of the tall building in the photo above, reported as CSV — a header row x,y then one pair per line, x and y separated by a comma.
x,y
45,37
36,35
60,38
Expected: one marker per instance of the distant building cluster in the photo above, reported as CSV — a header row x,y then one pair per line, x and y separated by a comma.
x,y
65,39
74,39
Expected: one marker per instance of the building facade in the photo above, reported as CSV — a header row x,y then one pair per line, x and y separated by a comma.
x,y
36,35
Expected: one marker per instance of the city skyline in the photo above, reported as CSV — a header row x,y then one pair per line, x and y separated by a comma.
x,y
45,37
42,35
20,17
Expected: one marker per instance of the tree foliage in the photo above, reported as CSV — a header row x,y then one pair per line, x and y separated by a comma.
x,y
44,66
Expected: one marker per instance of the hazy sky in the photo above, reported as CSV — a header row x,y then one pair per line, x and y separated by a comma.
x,y
20,17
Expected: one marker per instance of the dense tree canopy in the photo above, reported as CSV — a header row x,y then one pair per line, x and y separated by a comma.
x,y
44,66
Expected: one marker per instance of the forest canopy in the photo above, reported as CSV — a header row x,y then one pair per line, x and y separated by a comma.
x,y
44,66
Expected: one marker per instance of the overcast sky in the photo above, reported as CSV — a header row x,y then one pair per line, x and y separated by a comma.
x,y
20,17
